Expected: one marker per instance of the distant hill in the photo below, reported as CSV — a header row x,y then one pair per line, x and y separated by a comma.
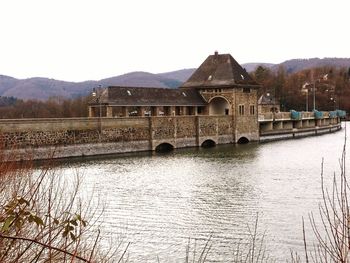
x,y
295,65
179,75
43,88
141,79
250,67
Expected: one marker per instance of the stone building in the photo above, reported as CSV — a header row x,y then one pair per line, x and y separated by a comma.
x,y
268,103
116,101
220,86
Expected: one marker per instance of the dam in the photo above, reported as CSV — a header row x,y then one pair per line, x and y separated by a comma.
x,y
218,104
60,138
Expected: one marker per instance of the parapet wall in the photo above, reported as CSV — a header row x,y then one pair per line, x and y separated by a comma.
x,y
58,138
67,137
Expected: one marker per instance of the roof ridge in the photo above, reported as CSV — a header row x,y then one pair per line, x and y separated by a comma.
x,y
219,70
153,96
231,66
138,87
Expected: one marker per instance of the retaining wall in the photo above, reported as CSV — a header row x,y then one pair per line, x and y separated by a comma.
x,y
68,137
46,138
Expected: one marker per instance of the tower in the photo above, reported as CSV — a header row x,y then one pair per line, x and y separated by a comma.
x,y
229,90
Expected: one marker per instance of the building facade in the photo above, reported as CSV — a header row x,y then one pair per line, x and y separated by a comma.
x,y
220,86
267,103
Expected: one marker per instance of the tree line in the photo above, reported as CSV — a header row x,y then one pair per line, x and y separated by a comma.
x,y
332,87
56,107
332,91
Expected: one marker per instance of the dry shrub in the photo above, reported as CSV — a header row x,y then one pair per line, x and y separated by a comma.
x,y
43,217
332,233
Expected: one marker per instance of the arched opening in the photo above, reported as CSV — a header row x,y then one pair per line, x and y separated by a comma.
x,y
242,140
273,109
164,147
208,144
219,106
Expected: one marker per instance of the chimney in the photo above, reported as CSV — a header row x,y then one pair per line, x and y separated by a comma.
x,y
216,53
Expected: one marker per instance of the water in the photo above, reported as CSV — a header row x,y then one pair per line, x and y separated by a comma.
x,y
158,201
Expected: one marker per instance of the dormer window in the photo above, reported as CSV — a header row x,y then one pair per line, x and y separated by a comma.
x,y
129,92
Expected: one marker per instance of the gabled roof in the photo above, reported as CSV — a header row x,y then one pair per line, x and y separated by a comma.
x,y
267,99
219,70
140,96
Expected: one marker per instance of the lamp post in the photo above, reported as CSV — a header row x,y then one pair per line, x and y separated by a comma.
x,y
98,100
314,95
334,101
306,91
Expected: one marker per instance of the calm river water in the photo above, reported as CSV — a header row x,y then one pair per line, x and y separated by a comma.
x,y
158,201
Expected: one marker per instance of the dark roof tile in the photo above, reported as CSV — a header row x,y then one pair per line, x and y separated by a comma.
x,y
139,96
267,99
219,70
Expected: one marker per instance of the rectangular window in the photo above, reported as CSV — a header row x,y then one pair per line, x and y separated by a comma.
x,y
241,109
252,110
246,90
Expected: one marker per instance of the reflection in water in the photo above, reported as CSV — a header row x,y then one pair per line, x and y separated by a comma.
x,y
158,201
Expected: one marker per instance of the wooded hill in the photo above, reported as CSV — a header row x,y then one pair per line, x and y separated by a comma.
x,y
41,97
44,88
332,87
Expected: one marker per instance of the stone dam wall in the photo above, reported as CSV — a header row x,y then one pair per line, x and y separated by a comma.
x,y
73,137
58,138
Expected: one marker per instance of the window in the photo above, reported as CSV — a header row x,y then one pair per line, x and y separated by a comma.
x,y
246,90
252,110
199,110
241,109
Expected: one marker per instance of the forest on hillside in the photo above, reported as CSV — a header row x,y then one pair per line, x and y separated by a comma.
x,y
332,91
332,87
55,107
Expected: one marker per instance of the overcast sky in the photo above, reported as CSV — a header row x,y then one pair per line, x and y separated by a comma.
x,y
78,40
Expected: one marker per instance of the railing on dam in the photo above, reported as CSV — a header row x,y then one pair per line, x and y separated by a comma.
x,y
297,122
280,116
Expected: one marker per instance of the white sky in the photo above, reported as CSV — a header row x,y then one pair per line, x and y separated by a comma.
x,y
79,40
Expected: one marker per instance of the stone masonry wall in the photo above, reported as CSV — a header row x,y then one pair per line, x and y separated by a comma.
x,y
44,138
208,126
163,127
225,125
246,124
185,127
94,136
49,132
90,136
